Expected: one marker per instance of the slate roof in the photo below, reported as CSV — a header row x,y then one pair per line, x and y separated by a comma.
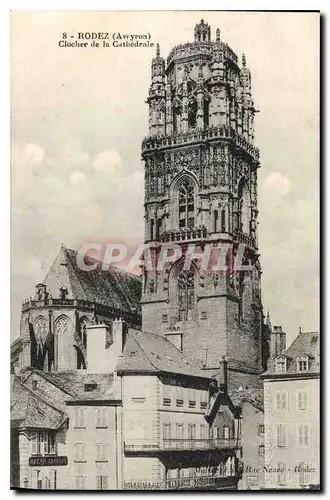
x,y
29,410
153,353
306,343
253,396
112,287
73,383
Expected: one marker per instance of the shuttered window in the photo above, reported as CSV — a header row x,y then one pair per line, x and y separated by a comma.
x,y
281,401
282,433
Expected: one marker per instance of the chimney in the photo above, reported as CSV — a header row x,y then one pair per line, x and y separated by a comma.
x,y
277,342
104,345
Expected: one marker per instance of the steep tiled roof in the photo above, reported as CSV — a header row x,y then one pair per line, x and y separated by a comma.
x,y
29,410
306,343
73,384
154,353
253,396
112,287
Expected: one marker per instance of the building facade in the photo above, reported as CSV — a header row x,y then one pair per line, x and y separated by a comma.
x,y
150,422
251,403
292,416
201,187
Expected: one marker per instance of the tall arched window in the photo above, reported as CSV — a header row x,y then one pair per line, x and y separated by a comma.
x,y
215,221
61,336
40,331
186,205
243,207
151,235
206,113
82,332
186,294
223,221
192,113
158,228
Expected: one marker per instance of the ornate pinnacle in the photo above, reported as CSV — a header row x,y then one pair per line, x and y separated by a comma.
x,y
157,50
243,60
217,35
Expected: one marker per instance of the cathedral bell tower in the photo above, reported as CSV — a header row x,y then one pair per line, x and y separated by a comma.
x,y
201,188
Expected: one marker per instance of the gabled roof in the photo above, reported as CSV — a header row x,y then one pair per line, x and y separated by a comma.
x,y
29,410
148,352
306,343
112,287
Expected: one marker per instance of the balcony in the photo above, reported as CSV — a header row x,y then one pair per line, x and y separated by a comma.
x,y
198,444
189,234
144,446
247,240
185,483
196,136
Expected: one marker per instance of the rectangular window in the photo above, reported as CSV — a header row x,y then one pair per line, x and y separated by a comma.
x,y
302,364
281,473
166,402
80,482
80,452
102,417
226,432
216,432
261,450
303,435
50,480
203,431
43,443
302,400
101,452
34,443
304,474
192,404
79,417
281,401
191,431
101,482
282,435
179,403
261,429
203,405
167,431
179,431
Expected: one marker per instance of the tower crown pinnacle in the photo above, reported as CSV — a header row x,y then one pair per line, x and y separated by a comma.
x,y
243,60
157,50
202,32
217,35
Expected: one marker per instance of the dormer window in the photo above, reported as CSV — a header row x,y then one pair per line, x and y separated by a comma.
x,y
302,363
280,364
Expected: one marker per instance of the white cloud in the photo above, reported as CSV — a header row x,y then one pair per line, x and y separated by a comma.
x,y
108,161
278,183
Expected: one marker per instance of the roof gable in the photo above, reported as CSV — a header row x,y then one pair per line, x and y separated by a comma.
x,y
112,287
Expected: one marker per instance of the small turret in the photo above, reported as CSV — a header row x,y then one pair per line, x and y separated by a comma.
x,y
156,99
202,32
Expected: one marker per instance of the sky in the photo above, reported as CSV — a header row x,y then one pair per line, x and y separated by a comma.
x,y
78,116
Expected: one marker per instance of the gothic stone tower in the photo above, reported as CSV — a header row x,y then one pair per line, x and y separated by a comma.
x,y
201,187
